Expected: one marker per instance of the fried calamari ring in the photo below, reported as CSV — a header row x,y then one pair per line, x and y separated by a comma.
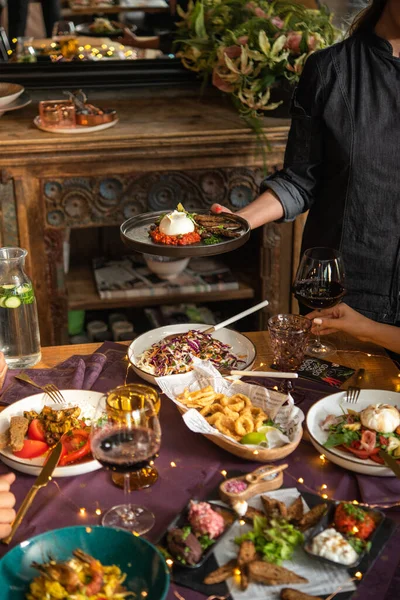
x,y
244,425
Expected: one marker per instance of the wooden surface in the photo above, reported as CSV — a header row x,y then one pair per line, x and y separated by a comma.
x,y
380,370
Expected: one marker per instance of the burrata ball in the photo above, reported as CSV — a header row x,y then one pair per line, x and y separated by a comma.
x,y
380,417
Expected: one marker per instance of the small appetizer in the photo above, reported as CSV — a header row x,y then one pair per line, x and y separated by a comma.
x,y
351,519
365,433
332,545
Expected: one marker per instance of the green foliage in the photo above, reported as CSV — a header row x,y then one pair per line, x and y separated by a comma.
x,y
248,46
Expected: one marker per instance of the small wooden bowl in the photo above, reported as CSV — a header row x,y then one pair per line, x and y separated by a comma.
x,y
263,479
258,454
92,120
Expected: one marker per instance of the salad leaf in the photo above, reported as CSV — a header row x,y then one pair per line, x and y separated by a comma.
x,y
276,541
338,438
213,239
205,541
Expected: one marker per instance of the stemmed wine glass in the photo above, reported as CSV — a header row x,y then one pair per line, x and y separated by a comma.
x,y
319,284
125,438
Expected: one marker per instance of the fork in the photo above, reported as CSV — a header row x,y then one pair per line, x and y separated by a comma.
x,y
50,389
352,394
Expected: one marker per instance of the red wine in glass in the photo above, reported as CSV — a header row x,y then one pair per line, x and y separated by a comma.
x,y
319,284
123,450
314,295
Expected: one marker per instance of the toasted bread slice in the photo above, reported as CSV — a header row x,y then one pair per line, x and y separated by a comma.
x,y
4,439
251,513
274,508
221,574
18,429
289,594
269,574
312,517
247,553
295,512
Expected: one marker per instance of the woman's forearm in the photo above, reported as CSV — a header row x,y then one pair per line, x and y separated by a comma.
x,y
265,209
387,336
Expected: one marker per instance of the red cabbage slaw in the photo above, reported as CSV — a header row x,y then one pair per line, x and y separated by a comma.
x,y
175,356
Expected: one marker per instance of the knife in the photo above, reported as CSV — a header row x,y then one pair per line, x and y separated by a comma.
x,y
390,462
41,481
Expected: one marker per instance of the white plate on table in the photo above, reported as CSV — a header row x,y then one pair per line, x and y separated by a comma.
x,y
9,92
20,102
86,400
241,345
331,405
78,129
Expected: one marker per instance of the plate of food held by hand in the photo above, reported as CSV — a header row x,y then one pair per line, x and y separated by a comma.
x,y
31,427
352,435
180,233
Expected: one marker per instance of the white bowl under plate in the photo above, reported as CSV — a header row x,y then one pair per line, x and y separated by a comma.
x,y
331,405
87,400
241,345
9,92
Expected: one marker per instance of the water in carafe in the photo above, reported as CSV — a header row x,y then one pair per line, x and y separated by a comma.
x,y
19,326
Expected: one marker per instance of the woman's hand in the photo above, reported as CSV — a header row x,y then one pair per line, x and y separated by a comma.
x,y
7,502
3,369
218,208
341,318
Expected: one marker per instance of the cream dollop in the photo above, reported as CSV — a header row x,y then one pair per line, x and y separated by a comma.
x,y
176,223
240,507
332,545
383,418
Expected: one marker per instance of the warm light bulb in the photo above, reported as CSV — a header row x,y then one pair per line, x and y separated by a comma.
x,y
241,522
300,480
169,562
323,486
324,496
82,511
172,464
255,452
98,511
224,473
355,502
358,575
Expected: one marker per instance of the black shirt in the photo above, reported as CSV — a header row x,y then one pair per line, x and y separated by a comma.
x,y
342,162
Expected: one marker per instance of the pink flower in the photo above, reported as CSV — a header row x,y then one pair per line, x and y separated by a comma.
x,y
243,39
232,51
260,13
293,41
219,83
277,22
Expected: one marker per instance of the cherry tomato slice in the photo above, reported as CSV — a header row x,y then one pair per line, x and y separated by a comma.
x,y
32,449
36,431
377,459
76,445
360,453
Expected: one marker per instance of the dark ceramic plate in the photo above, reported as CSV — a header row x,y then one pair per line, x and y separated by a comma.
x,y
135,235
181,520
327,521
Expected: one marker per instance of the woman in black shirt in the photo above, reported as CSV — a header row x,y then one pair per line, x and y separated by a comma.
x,y
342,160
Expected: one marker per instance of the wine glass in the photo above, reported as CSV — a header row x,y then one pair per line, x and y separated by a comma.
x,y
319,284
125,438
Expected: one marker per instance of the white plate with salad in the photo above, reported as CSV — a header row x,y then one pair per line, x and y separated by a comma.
x,y
150,357
351,435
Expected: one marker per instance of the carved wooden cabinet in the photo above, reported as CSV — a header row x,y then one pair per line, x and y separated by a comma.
x,y
166,149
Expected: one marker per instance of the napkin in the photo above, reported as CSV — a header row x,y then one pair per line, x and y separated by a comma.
x,y
98,371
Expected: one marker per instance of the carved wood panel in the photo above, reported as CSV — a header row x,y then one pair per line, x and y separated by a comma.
x,y
96,201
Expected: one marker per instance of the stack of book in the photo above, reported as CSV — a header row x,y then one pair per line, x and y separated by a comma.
x,y
126,278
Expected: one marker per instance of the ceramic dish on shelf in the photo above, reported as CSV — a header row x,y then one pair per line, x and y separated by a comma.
x,y
240,344
9,92
334,405
146,571
135,235
22,101
79,129
86,400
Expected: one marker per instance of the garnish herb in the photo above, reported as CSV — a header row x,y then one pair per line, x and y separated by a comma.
x,y
214,239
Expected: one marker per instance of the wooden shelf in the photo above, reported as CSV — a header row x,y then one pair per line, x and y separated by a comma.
x,y
82,294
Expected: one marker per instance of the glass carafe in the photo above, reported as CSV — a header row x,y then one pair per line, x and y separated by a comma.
x,y
19,326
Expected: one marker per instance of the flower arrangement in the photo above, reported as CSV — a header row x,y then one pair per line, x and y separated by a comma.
x,y
248,46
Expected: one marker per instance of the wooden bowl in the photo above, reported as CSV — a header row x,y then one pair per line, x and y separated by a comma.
x,y
258,454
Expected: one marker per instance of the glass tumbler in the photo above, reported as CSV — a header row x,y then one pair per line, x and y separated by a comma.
x,y
289,336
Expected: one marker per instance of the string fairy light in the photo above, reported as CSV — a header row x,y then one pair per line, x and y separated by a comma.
x,y
224,473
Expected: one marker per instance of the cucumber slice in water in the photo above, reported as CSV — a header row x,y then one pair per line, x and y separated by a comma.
x,y
12,302
24,289
8,286
2,301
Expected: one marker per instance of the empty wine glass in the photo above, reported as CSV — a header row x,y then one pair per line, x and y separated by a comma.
x,y
319,284
125,438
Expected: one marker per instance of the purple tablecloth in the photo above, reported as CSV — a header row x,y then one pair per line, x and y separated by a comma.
x,y
197,472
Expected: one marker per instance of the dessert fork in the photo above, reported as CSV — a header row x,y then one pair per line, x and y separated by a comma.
x,y
352,394
50,389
